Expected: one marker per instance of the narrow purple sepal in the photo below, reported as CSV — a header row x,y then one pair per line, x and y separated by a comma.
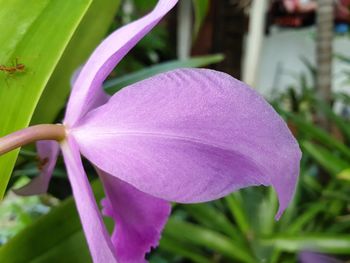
x,y
47,153
87,86
99,242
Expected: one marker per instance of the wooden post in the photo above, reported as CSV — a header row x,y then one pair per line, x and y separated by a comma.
x,y
324,53
229,28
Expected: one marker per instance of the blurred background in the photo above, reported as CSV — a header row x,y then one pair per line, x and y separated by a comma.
x,y
296,53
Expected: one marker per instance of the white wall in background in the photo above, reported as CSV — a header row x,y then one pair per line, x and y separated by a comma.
x,y
280,64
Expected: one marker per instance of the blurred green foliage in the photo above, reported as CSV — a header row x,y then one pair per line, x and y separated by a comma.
x,y
238,228
17,213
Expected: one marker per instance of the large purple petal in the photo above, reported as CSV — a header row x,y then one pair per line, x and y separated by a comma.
x,y
139,218
47,153
191,135
105,57
99,242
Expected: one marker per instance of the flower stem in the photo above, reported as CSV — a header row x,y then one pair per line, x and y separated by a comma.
x,y
31,134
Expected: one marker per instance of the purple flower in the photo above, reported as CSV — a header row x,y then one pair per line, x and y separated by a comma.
x,y
315,257
189,135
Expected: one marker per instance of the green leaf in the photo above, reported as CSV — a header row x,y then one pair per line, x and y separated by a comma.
x,y
211,217
316,133
343,97
342,124
325,158
235,204
201,8
35,32
333,244
90,32
266,212
310,67
344,175
186,251
196,235
343,58
145,5
114,85
53,236
308,216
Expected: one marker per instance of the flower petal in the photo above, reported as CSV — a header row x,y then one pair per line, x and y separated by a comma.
x,y
48,153
191,135
139,218
105,57
75,76
314,257
99,242
100,97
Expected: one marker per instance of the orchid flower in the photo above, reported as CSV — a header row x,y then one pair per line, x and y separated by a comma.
x,y
188,135
312,257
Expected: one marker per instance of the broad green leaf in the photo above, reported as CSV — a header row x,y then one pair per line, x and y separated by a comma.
x,y
197,235
52,237
201,8
334,244
114,85
90,32
35,32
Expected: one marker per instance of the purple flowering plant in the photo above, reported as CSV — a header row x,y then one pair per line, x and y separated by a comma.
x,y
187,136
